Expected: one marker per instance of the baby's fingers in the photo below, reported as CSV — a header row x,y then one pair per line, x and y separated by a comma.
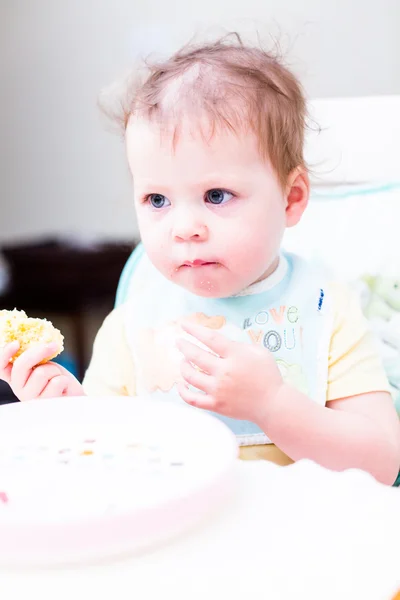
x,y
24,364
196,399
6,355
58,386
37,381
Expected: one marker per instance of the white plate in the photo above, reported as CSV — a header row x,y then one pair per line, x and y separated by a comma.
x,y
83,478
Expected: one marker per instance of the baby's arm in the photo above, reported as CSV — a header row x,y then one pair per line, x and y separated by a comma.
x,y
26,347
356,432
29,379
111,370
359,427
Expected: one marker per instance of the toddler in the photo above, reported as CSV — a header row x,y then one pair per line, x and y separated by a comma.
x,y
217,315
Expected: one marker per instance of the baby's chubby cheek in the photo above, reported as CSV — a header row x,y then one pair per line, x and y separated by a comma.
x,y
236,244
159,254
246,265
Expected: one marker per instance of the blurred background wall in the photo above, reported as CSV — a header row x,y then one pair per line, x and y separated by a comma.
x,y
62,172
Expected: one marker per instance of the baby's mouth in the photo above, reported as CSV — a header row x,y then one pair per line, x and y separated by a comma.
x,y
195,264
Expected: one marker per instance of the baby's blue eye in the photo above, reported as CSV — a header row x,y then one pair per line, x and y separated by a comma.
x,y
158,200
218,196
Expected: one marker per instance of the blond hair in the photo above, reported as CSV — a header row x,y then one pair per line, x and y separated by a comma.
x,y
235,86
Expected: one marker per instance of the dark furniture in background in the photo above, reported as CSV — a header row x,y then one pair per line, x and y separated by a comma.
x,y
52,277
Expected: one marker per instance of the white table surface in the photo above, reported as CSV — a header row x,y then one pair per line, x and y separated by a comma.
x,y
293,532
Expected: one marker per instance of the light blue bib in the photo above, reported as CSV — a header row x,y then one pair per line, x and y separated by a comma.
x,y
293,320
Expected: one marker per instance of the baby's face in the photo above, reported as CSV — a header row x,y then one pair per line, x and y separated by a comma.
x,y
211,213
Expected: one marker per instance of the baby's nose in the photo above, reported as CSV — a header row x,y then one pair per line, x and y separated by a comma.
x,y
190,229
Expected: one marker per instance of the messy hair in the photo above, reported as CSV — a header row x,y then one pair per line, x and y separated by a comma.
x,y
235,86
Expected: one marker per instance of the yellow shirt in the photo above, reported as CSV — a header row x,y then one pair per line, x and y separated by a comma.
x,y
354,365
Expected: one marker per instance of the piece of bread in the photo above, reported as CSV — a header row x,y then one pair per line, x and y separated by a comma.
x,y
15,325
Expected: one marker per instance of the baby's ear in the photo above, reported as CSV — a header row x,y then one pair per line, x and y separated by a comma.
x,y
297,195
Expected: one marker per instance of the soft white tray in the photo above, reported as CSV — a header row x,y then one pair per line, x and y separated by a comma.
x,y
297,532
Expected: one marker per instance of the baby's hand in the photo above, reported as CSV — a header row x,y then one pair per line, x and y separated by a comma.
x,y
239,380
29,379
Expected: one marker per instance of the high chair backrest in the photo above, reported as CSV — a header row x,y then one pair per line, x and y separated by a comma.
x,y
126,275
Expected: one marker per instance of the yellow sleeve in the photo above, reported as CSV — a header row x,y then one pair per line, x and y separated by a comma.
x,y
111,370
355,366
